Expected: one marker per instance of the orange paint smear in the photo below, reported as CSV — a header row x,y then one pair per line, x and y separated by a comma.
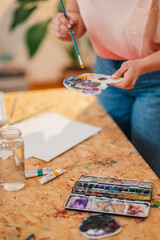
x,y
82,66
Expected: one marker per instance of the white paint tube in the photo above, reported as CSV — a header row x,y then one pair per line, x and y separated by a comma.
x,y
38,172
51,176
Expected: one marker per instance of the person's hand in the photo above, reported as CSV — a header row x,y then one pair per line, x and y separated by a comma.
x,y
130,70
61,26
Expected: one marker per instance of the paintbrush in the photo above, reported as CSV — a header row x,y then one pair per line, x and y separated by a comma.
x,y
31,115
30,236
12,110
12,236
75,45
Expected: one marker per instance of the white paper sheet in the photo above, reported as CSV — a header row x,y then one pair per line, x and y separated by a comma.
x,y
51,134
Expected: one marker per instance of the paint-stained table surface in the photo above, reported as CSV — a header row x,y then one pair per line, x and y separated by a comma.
x,y
39,209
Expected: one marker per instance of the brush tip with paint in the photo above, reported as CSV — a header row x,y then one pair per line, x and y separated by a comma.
x,y
82,66
80,61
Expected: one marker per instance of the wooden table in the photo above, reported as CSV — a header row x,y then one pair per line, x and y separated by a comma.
x,y
39,209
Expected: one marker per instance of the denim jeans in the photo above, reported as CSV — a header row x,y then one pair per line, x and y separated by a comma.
x,y
136,111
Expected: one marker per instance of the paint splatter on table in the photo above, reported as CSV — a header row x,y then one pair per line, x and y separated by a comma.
x,y
39,209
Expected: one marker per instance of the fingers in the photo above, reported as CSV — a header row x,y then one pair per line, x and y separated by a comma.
x,y
121,70
61,26
128,80
123,86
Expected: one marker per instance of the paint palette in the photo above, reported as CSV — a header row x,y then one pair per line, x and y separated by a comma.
x,y
111,195
99,226
90,83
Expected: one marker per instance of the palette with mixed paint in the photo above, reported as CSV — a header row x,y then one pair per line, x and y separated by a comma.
x,y
89,83
99,226
111,195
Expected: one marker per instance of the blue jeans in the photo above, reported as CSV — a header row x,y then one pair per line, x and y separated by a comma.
x,y
136,111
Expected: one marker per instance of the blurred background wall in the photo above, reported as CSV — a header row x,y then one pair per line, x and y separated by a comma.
x,y
52,62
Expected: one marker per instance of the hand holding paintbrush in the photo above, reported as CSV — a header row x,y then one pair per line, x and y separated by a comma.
x,y
65,25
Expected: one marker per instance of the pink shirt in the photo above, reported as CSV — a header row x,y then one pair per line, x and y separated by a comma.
x,y
122,29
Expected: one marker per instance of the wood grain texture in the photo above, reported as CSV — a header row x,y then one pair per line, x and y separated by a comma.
x,y
39,209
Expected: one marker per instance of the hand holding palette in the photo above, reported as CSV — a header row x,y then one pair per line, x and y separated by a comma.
x,y
90,83
111,195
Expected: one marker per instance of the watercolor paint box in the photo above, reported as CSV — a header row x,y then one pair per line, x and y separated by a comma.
x,y
110,195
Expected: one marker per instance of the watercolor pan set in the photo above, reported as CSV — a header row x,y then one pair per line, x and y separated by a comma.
x,y
111,195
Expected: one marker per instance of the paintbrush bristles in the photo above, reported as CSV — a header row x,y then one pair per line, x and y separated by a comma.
x,y
80,61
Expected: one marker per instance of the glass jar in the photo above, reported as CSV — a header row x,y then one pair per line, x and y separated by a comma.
x,y
12,175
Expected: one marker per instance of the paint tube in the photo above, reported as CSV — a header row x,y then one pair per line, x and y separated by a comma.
x,y
51,176
39,172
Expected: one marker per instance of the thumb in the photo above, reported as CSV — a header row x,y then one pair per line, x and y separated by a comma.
x,y
72,20
120,71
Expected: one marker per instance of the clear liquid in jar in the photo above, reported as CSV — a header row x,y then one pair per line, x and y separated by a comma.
x,y
12,176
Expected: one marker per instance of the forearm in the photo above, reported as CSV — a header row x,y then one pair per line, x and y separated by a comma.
x,y
72,6
150,63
